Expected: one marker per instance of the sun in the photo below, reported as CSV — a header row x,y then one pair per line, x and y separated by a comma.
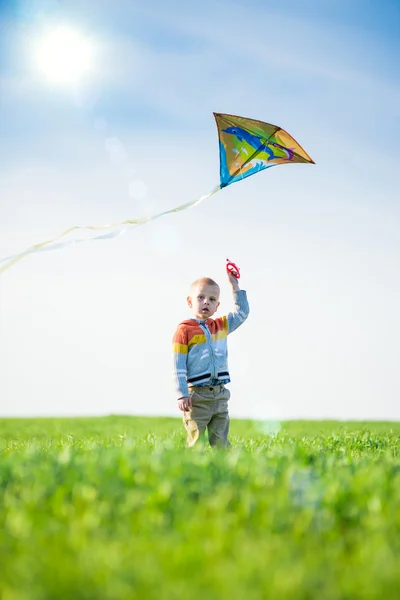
x,y
63,55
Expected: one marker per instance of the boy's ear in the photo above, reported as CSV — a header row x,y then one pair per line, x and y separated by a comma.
x,y
189,301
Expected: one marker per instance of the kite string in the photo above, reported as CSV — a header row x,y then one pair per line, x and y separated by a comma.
x,y
51,245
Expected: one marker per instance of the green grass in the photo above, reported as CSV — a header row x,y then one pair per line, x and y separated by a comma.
x,y
118,508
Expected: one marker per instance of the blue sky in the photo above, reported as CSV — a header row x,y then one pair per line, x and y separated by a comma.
x,y
85,330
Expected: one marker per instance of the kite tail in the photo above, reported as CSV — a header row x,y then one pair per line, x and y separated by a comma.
x,y
51,244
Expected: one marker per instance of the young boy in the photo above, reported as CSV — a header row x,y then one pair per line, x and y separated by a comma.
x,y
201,361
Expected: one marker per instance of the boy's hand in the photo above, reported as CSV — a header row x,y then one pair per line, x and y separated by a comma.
x,y
234,282
185,403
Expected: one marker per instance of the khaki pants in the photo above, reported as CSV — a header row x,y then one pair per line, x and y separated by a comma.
x,y
209,411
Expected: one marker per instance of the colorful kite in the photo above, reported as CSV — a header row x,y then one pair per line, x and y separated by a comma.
x,y
246,146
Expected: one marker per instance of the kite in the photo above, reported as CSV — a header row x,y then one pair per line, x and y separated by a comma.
x,y
246,147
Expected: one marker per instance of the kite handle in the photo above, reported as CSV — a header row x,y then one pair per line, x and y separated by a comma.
x,y
232,269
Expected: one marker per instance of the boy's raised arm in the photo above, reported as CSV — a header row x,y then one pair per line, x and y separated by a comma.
x,y
241,309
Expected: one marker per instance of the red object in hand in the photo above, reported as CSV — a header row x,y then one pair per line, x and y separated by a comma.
x,y
232,269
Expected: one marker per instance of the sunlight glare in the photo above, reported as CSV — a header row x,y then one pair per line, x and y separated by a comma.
x,y
64,55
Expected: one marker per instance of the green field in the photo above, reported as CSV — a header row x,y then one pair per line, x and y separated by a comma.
x,y
118,508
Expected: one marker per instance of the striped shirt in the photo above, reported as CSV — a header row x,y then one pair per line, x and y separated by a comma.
x,y
200,349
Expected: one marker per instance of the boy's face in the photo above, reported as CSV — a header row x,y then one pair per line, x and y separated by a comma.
x,y
204,301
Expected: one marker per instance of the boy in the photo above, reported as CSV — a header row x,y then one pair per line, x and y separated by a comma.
x,y
201,361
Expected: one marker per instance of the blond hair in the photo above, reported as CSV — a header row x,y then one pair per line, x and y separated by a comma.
x,y
204,281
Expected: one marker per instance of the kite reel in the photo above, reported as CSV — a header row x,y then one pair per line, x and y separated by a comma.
x,y
232,269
